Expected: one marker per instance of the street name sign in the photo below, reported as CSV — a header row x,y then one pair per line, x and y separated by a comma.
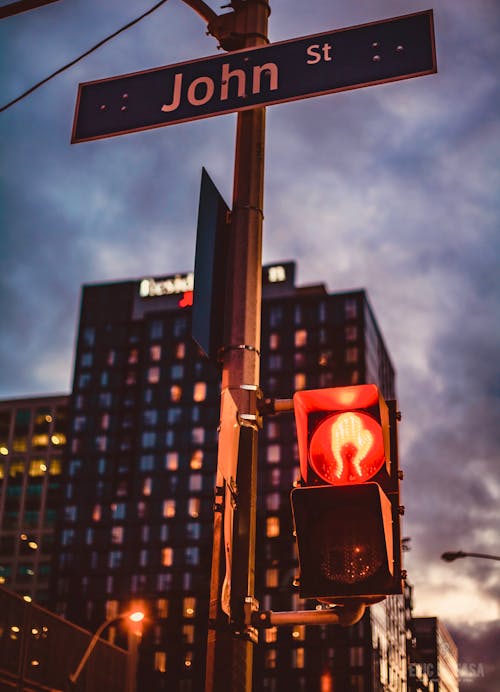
x,y
337,60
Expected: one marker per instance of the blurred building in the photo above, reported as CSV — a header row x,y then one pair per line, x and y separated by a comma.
x,y
436,653
32,443
139,480
38,652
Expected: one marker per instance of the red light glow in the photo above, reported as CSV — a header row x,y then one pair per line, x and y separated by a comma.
x,y
347,448
187,300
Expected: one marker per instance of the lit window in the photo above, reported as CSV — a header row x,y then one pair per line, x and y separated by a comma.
x,y
101,443
169,508
299,632
70,513
160,661
118,510
146,462
275,477
192,555
111,357
84,380
36,441
105,420
156,330
188,634
356,657
198,435
170,438
272,501
273,453
298,658
117,534
299,381
131,378
164,581
275,316
270,635
355,377
105,400
189,607
193,530
147,486
88,336
196,459
167,557
154,374
179,326
274,341
180,351
162,607
155,352
272,577
200,391
172,461
68,536
195,482
300,338
115,559
175,392
96,513
111,609
275,362
38,467
272,527
270,658
148,439
176,371
194,507
174,415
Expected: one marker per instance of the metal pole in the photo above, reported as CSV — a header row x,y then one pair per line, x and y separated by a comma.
x,y
229,646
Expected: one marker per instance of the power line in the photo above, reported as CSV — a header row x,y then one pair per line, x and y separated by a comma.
x,y
83,55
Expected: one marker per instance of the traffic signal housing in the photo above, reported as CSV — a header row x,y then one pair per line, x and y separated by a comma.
x,y
346,511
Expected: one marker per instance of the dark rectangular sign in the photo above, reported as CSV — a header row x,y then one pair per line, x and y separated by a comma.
x,y
336,60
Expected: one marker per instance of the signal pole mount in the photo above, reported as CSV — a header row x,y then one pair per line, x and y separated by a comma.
x,y
230,640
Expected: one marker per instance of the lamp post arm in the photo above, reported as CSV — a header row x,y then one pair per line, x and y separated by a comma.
x,y
202,9
92,644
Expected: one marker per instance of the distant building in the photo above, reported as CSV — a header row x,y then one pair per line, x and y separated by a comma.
x,y
139,480
32,442
436,653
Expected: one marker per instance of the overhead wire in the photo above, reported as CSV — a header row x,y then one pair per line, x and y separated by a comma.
x,y
80,57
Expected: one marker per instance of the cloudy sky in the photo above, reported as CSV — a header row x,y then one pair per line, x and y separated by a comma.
x,y
394,188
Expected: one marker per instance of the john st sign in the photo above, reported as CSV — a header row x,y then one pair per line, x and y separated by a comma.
x,y
337,60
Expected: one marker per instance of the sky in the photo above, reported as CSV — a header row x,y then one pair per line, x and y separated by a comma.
x,y
392,188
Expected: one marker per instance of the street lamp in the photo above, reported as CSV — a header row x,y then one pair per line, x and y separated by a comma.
x,y
135,617
450,557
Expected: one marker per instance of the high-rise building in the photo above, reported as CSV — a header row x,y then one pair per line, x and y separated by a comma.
x,y
139,480
436,653
32,442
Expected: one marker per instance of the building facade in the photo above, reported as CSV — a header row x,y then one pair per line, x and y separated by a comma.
x,y
136,527
436,653
32,444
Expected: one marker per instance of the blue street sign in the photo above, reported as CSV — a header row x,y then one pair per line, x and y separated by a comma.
x,y
337,60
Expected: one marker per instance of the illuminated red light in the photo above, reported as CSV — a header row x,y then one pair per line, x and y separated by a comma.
x,y
347,448
187,300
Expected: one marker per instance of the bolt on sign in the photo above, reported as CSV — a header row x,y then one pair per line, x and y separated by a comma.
x,y
336,60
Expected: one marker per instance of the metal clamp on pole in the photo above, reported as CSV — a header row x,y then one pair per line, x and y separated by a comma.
x,y
344,615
